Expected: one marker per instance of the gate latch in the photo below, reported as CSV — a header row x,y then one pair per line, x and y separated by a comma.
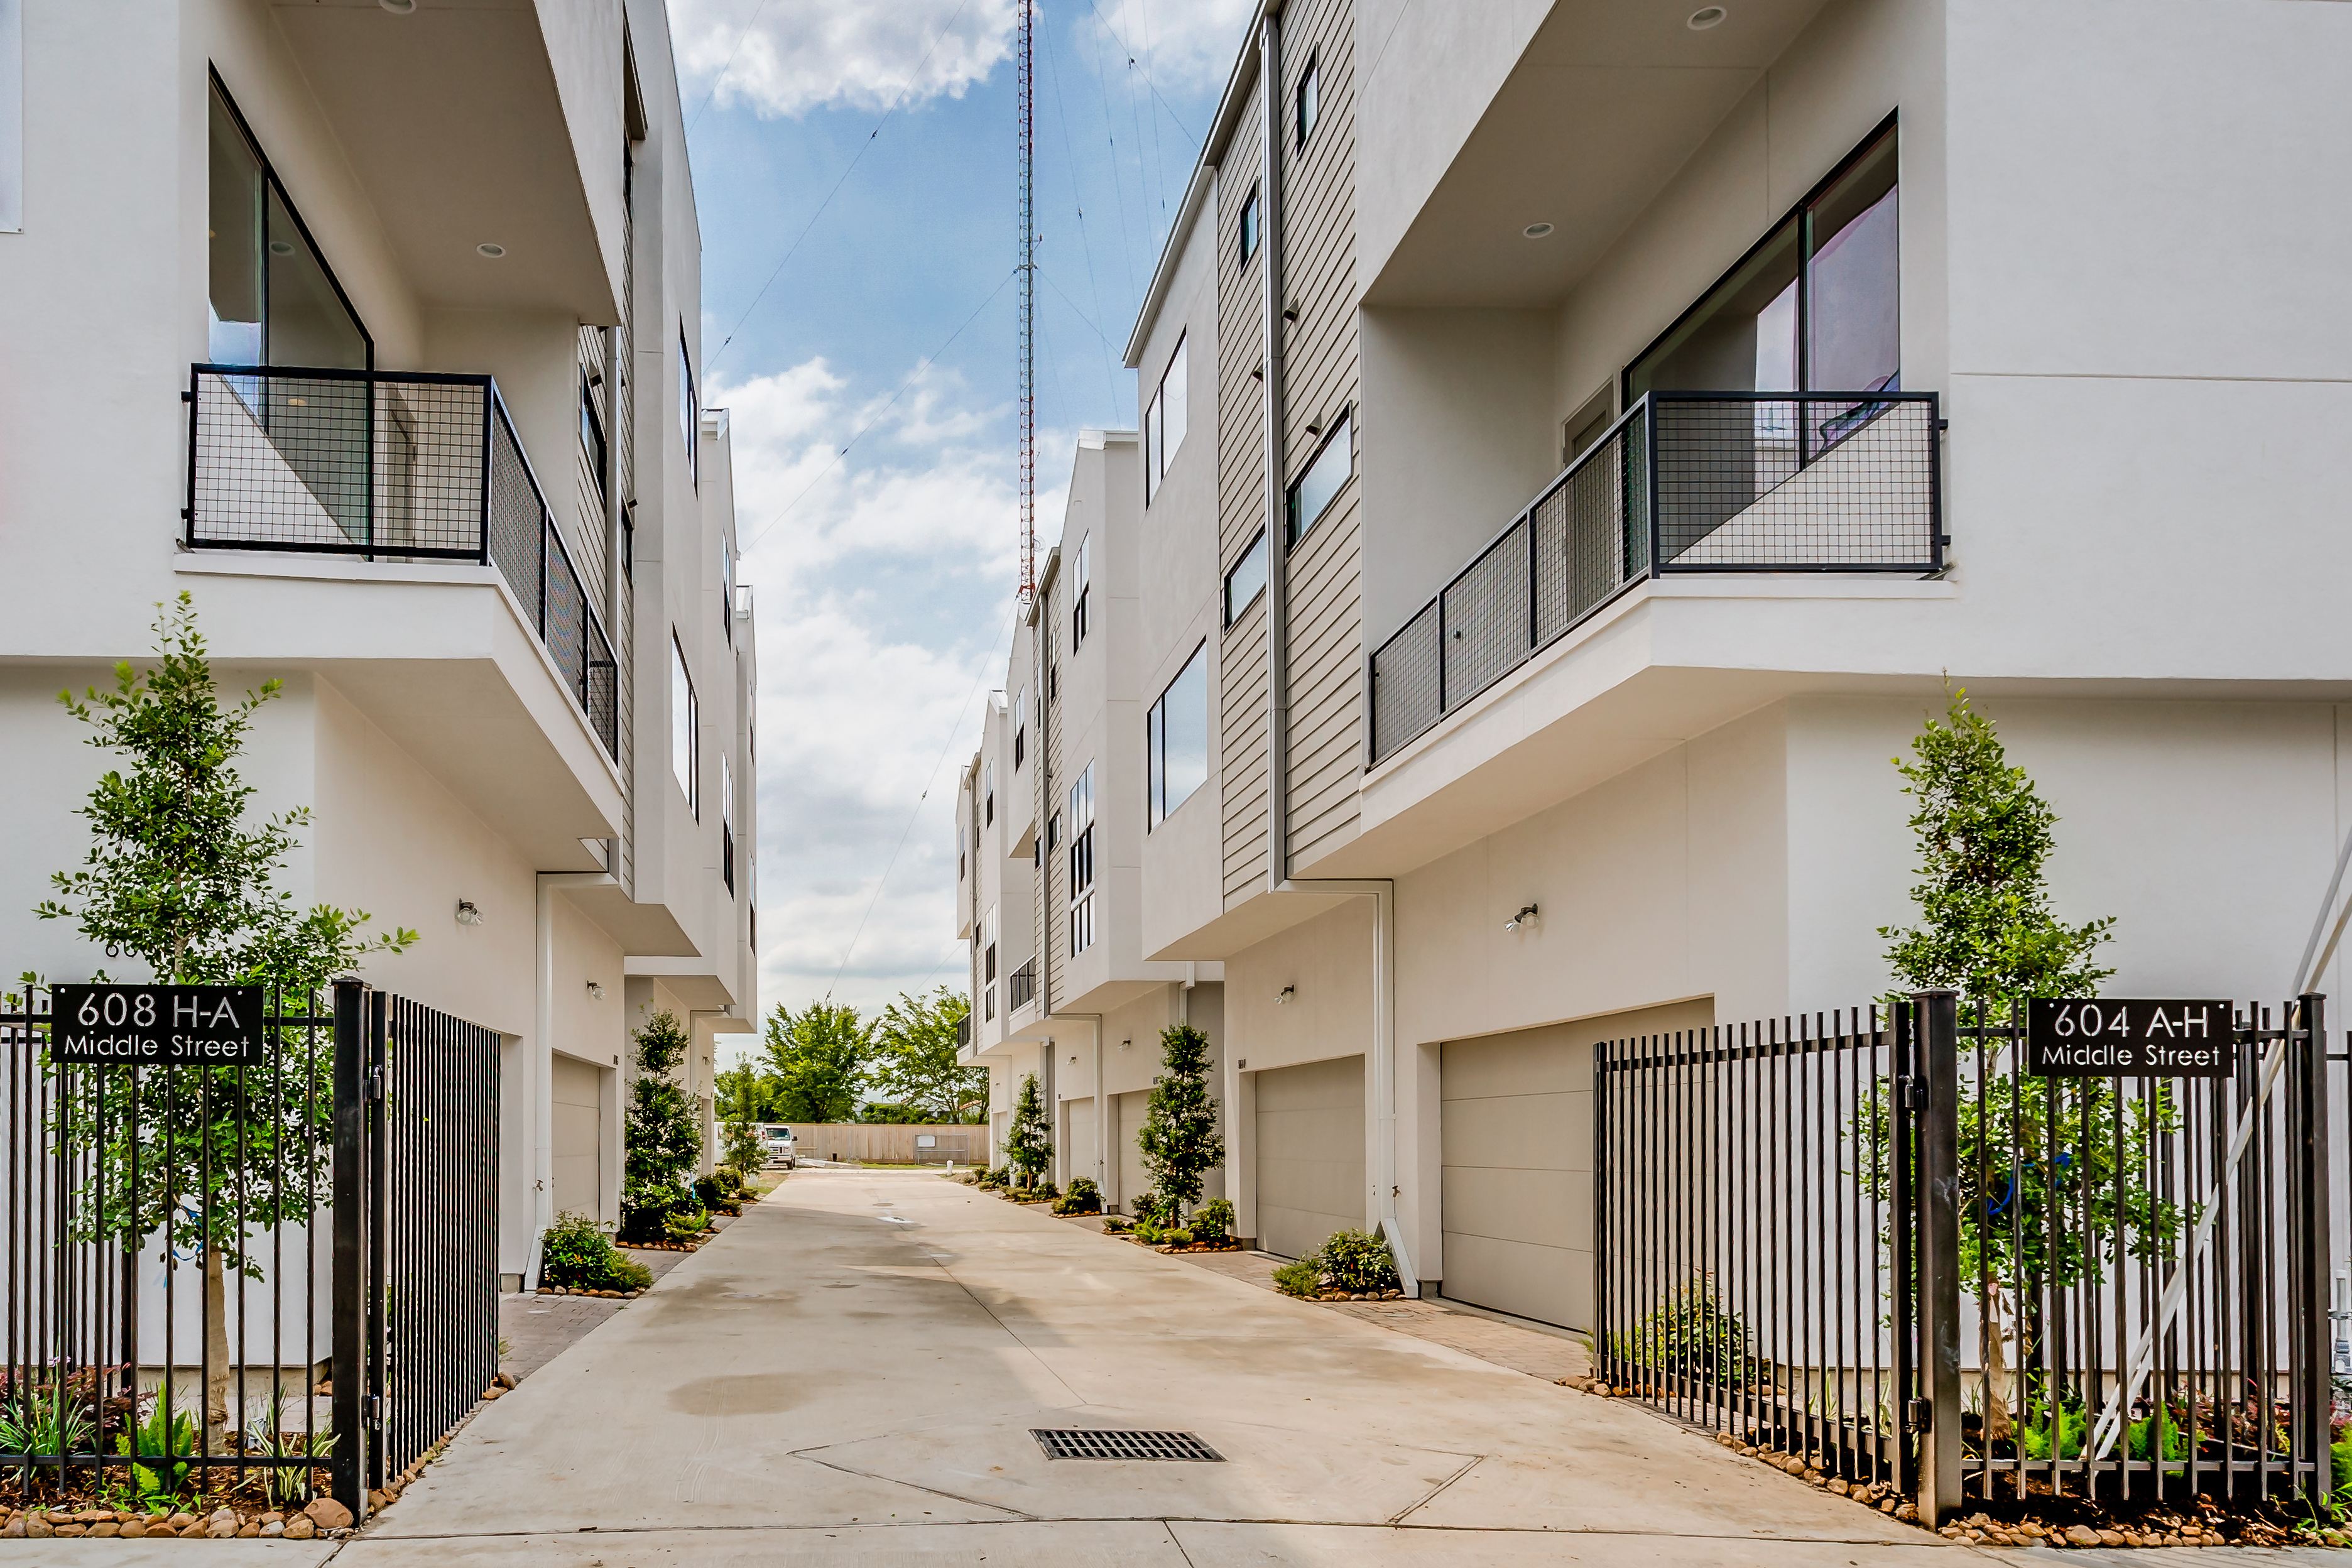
x,y
373,1414
1912,1090
1919,1416
375,1083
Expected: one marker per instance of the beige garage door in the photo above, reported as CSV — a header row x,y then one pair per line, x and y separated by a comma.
x,y
1128,1112
1078,1140
1518,1130
577,1137
1310,1153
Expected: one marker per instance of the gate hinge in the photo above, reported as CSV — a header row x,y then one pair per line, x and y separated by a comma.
x,y
1911,1088
375,1083
1919,1416
373,1414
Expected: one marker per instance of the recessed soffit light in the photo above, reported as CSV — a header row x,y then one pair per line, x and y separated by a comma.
x,y
281,248
492,251
1536,230
398,7
1707,16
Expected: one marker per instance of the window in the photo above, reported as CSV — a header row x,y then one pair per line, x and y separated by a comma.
x,y
1248,225
690,411
1164,424
726,586
1020,727
727,820
1812,306
592,432
683,720
988,961
1585,427
1082,862
1080,588
1316,489
987,790
1176,738
1309,102
1246,580
273,300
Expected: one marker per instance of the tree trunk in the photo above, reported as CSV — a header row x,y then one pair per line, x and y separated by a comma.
x,y
215,1352
1999,1423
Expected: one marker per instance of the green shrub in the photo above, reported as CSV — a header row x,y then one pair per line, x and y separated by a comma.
x,y
1119,1224
1146,1232
998,1178
1083,1197
646,1209
166,1434
1692,1334
1178,1236
575,1253
685,1224
1214,1222
1355,1262
1147,1204
716,1193
1304,1277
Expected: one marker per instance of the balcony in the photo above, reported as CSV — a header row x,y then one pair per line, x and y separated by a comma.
x,y
393,466
1683,483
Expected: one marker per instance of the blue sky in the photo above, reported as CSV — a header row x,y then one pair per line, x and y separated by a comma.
x,y
884,577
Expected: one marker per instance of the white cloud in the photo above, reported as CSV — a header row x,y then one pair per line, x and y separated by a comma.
x,y
1186,46
784,57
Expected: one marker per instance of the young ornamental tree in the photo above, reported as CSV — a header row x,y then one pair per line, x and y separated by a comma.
x,y
2046,1211
179,878
1028,1141
1177,1140
663,1145
916,1062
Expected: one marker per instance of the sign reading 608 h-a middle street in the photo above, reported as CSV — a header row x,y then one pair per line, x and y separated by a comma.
x,y
2073,1038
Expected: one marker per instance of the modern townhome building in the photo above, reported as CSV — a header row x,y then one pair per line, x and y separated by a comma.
x,y
376,329
1583,441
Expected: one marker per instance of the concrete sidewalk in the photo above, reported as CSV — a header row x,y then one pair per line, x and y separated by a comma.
x,y
851,1374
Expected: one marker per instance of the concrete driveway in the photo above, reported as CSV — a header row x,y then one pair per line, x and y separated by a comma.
x,y
850,1376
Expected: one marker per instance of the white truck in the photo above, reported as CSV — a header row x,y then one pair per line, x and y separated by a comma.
x,y
781,1149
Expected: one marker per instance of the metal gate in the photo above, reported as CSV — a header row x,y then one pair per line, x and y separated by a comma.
x,y
1874,1239
221,1281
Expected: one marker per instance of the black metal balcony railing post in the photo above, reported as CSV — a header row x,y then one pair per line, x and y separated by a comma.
x,y
1683,482
418,466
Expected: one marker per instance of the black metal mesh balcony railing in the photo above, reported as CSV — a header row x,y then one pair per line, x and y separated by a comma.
x,y
1684,482
395,465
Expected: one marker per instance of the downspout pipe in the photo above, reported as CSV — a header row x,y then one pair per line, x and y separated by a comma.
x,y
1381,892
543,1055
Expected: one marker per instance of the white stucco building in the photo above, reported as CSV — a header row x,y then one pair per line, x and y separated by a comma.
x,y
1583,439
376,328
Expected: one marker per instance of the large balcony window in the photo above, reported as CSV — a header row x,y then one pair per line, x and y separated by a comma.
x,y
273,299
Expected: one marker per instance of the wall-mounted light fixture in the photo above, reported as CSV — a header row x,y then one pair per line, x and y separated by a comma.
x,y
1127,1045
469,913
1285,994
596,992
1526,917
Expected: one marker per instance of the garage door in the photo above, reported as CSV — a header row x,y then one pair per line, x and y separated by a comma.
x,y
1310,1153
1078,1140
577,1137
1518,1131
1129,1111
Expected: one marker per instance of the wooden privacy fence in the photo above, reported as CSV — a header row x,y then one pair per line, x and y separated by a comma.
x,y
886,1144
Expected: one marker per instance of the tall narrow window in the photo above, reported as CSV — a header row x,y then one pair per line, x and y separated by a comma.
x,y
987,790
727,820
1164,424
684,723
689,412
726,586
1081,829
592,433
1246,580
1176,738
1080,588
273,300
988,961
1247,226
1020,727
1312,495
1310,93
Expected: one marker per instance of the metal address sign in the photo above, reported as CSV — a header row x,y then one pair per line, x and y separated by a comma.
x,y
156,1026
2129,1039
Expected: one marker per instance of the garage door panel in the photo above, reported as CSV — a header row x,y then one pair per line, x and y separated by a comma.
x,y
1550,1284
1535,1061
1133,1179
1310,1153
1535,1206
575,1136
1313,1184
1530,1131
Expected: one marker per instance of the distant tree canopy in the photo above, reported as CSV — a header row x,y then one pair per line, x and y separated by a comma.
x,y
826,1062
916,1064
814,1060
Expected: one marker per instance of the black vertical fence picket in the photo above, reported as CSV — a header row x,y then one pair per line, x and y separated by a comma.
x,y
1874,1239
346,1182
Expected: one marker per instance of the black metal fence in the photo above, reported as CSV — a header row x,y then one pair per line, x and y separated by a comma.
x,y
1683,482
1878,1241
1753,1216
387,465
221,1281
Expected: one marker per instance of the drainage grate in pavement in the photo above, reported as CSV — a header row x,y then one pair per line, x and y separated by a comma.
x,y
1087,1443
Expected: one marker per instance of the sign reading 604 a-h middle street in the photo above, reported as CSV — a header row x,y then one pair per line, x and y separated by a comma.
x,y
2129,1039
156,1026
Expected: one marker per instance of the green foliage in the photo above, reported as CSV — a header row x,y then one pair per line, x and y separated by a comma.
x,y
2067,1431
1178,1140
816,1061
915,1059
1028,1144
1083,1197
663,1143
178,878
1148,1206
2158,1435
164,1436
683,1223
1178,1236
267,1434
1357,1262
576,1254
1986,928
741,1093
999,1179
1213,1221
714,1193
890,1113
742,1149
1302,1277
46,1417
1691,1333
1117,1225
